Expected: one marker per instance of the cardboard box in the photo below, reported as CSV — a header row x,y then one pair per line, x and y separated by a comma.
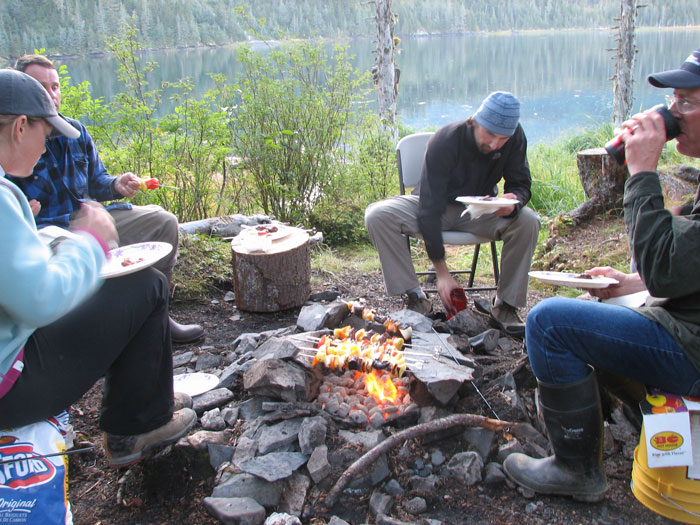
x,y
667,426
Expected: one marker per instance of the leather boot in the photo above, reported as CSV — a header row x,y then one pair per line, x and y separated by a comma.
x,y
574,420
184,333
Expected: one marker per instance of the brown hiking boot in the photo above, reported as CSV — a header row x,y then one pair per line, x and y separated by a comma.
x,y
123,451
418,304
508,320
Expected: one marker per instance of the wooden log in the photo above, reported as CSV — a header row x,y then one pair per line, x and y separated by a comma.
x,y
603,182
274,280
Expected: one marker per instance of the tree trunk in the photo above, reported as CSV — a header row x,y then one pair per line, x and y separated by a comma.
x,y
623,81
274,280
603,180
385,74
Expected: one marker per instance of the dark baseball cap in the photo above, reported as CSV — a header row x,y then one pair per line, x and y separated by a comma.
x,y
21,94
686,77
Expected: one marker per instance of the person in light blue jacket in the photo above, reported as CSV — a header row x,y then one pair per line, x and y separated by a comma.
x,y
61,326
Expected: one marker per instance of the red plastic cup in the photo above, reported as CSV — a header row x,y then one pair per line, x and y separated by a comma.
x,y
458,301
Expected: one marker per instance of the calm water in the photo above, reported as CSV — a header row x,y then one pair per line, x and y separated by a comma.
x,y
563,79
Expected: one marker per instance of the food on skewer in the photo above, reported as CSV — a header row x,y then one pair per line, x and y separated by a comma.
x,y
360,351
390,325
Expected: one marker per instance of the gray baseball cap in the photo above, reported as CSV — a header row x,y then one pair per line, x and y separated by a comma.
x,y
21,94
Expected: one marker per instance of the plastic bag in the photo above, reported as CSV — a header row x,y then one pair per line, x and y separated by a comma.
x,y
35,490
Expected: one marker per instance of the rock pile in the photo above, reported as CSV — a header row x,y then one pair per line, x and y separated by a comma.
x,y
280,432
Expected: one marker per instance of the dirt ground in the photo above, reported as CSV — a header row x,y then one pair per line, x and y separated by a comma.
x,y
171,489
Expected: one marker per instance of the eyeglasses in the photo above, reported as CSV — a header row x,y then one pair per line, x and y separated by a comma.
x,y
683,105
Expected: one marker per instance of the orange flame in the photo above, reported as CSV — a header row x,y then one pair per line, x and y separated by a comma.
x,y
381,391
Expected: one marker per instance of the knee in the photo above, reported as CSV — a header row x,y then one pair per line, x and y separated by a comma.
x,y
529,220
375,214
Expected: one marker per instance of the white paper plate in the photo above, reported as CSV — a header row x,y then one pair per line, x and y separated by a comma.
x,y
259,230
572,280
141,255
195,383
492,202
633,299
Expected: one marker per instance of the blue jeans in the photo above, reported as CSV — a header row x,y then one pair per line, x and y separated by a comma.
x,y
564,336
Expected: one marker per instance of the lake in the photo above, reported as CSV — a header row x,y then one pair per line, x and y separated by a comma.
x,y
563,79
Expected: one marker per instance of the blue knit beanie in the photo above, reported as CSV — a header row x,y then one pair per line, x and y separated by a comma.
x,y
499,113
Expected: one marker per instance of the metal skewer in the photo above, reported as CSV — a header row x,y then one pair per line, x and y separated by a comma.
x,y
446,346
42,456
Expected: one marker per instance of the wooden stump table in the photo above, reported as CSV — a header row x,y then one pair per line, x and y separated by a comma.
x,y
276,279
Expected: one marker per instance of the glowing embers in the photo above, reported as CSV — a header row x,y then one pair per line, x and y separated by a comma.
x,y
373,399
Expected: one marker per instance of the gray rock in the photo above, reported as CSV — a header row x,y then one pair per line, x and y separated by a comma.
x,y
318,465
437,458
336,312
418,322
248,486
212,399
251,409
280,518
230,415
277,379
467,322
219,454
493,474
367,440
206,361
427,484
415,506
245,343
393,488
212,420
312,433
466,467
507,448
274,466
335,520
182,359
276,348
294,494
245,449
233,373
325,296
375,474
274,437
380,503
480,440
485,342
242,511
311,317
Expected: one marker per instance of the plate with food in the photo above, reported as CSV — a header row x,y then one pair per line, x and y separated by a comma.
x,y
270,231
195,383
133,257
574,280
492,202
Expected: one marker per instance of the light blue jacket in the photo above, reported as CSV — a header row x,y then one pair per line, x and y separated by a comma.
x,y
36,286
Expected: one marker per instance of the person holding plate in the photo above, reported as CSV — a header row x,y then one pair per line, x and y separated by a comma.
x,y
62,327
71,172
570,342
469,157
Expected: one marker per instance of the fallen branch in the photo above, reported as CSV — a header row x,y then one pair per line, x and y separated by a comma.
x,y
437,425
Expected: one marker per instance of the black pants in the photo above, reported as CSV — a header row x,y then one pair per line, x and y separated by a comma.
x,y
121,333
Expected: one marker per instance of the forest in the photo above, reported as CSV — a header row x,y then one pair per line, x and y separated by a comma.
x,y
81,26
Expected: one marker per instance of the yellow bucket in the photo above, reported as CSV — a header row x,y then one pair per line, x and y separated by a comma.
x,y
667,491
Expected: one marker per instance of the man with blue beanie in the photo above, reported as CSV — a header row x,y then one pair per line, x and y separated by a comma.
x,y
465,158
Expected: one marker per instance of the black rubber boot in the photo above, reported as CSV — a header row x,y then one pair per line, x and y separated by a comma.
x,y
574,421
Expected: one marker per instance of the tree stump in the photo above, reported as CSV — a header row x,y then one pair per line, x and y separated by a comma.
x,y
275,280
603,181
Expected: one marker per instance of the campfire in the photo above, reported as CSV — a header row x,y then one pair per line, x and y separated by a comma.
x,y
370,399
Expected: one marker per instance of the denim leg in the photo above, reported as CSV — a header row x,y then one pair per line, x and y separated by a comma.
x,y
564,336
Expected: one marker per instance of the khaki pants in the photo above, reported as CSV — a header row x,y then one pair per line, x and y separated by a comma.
x,y
387,222
148,224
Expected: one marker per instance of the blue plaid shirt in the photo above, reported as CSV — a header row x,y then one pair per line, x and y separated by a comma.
x,y
69,172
